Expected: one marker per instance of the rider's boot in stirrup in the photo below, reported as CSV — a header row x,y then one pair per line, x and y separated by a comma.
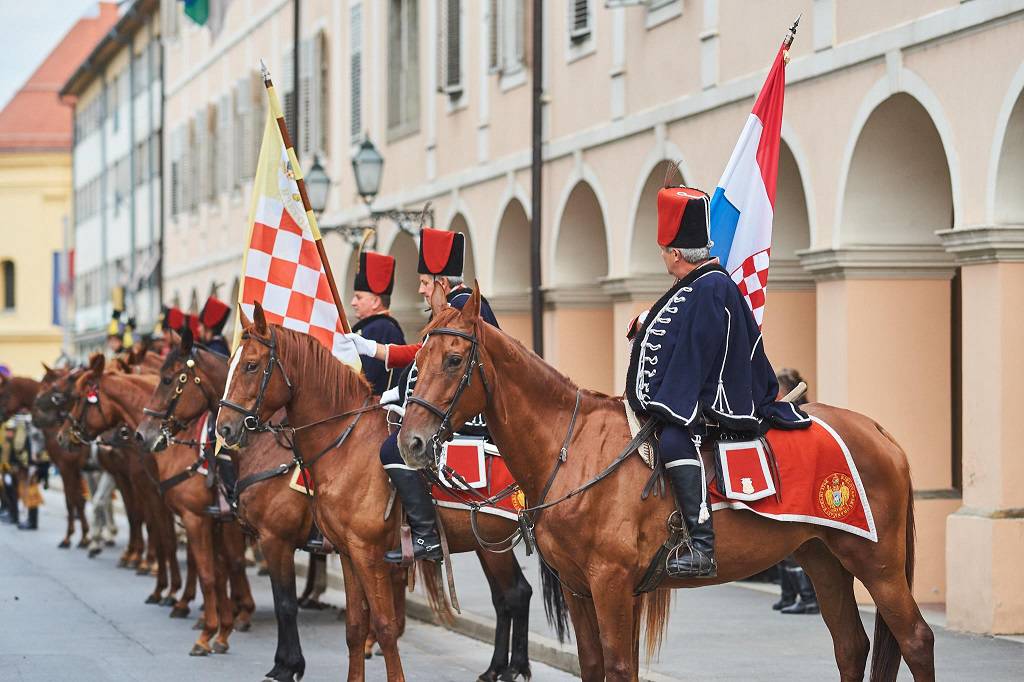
x,y
420,511
223,505
696,559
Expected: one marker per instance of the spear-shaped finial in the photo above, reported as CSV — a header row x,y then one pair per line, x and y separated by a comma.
x,y
266,72
791,33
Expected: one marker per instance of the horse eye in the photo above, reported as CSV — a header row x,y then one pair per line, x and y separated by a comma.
x,y
166,381
250,366
454,360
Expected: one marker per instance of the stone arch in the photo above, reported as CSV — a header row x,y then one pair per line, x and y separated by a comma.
x,y
898,187
459,223
511,261
581,241
407,305
1006,174
791,228
642,257
584,179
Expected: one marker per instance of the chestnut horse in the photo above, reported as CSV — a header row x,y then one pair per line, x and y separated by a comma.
x,y
337,430
19,393
217,550
601,541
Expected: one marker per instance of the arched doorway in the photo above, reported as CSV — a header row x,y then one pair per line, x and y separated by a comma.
x,y
1009,200
579,334
510,297
459,224
407,305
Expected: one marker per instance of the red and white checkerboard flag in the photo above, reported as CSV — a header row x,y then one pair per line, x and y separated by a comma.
x,y
282,267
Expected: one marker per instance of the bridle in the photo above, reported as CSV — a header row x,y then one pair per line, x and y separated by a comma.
x,y
444,429
170,425
78,431
251,420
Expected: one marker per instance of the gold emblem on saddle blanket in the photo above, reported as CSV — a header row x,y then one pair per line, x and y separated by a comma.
x,y
837,496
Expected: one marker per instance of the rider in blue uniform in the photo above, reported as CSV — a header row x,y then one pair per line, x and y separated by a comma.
x,y
442,254
698,360
374,282
211,325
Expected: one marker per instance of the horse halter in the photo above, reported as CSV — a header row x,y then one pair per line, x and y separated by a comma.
x,y
251,420
467,375
169,424
79,432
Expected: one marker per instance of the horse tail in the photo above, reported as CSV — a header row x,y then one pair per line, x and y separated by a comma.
x,y
654,612
430,574
885,662
555,608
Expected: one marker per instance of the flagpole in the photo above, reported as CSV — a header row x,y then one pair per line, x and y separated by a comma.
x,y
275,110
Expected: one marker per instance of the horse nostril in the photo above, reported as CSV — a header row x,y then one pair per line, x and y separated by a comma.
x,y
139,438
416,445
225,431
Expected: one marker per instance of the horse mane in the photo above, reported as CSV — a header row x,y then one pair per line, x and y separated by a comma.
x,y
517,352
334,379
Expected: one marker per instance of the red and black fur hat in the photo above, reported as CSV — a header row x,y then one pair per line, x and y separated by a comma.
x,y
442,253
174,319
684,218
215,314
376,273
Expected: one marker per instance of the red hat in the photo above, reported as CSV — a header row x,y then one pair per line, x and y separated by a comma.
x,y
376,273
684,218
214,314
442,253
174,319
193,324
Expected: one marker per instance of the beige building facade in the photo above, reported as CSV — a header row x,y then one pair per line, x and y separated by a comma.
x,y
898,256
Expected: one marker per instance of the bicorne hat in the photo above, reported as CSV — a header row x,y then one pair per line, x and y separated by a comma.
x,y
684,218
442,253
376,273
214,314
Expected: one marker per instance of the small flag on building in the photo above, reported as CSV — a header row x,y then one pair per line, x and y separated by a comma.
x,y
284,266
743,205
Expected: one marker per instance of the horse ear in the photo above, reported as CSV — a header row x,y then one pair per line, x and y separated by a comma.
x,y
243,318
187,340
46,368
123,365
471,310
438,302
96,363
259,320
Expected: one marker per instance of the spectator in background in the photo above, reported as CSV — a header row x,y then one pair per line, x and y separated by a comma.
x,y
797,591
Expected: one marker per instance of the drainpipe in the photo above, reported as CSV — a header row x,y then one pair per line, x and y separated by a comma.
x,y
536,171
129,43
294,132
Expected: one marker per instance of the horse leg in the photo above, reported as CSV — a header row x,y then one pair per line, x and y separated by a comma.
x,y
199,529
501,580
375,577
289,663
588,638
241,592
225,606
181,607
834,586
159,545
518,598
615,607
312,568
172,562
357,620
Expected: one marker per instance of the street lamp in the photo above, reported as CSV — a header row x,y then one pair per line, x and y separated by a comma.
x,y
368,166
318,184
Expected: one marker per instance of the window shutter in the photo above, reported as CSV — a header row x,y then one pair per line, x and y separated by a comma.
x,y
449,61
520,26
395,64
494,34
175,198
257,107
356,72
224,159
321,67
306,101
579,20
212,152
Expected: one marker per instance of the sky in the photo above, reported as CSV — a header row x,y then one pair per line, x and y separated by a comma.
x,y
29,29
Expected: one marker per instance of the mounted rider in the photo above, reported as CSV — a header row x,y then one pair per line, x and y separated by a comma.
x,y
211,325
441,259
374,282
698,365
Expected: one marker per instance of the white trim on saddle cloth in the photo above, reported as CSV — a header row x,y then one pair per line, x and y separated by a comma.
x,y
471,448
297,486
871,534
486,509
765,484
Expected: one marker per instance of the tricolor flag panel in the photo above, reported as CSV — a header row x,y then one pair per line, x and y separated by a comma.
x,y
281,266
742,207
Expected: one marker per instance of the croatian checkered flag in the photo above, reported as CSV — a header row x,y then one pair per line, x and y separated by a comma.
x,y
743,205
282,266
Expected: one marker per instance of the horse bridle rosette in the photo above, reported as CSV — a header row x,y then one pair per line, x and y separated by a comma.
x,y
251,420
444,429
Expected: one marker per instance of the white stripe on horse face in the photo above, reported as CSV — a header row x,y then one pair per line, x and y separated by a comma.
x,y
231,370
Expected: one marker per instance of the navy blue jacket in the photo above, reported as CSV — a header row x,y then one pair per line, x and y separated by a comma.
x,y
218,344
382,329
700,353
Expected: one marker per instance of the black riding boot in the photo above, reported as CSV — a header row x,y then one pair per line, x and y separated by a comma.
x,y
33,520
788,583
223,496
696,559
808,599
420,511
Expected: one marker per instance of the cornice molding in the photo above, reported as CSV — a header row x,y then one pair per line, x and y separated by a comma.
x,y
878,261
985,244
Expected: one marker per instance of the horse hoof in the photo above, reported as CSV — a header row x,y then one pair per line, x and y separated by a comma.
x,y
64,544
109,543
220,647
169,600
122,563
142,570
153,599
94,552
179,612
83,544
198,625
198,650
155,571
244,626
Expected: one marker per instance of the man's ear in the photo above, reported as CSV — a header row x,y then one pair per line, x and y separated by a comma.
x,y
259,320
471,310
438,301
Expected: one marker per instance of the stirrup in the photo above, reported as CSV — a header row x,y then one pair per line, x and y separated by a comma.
x,y
686,561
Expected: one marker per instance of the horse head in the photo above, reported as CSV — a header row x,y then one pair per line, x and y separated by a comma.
x,y
256,384
88,415
185,392
55,394
450,384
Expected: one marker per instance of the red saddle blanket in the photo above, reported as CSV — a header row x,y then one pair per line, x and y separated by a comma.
x,y
483,470
817,481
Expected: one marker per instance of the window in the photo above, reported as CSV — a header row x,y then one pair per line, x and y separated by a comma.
x,y
113,100
175,199
579,20
288,91
224,174
140,163
507,27
355,65
403,68
208,148
449,47
312,101
8,284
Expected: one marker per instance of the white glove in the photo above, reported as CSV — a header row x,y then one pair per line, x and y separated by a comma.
x,y
366,347
390,396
